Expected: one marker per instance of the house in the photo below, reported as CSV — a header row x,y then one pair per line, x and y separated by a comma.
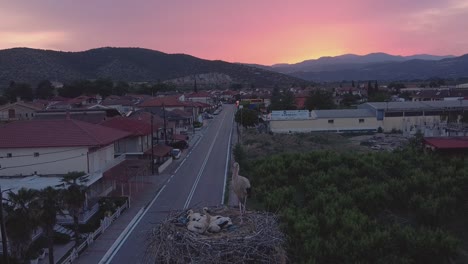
x,y
202,97
36,153
338,120
19,111
229,96
168,103
430,117
139,139
93,115
183,120
447,145
56,147
77,102
122,105
430,94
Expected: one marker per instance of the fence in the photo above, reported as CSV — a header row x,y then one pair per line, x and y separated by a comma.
x,y
73,253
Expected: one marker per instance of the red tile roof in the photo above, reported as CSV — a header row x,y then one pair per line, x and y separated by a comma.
x,y
159,150
198,95
134,126
159,101
448,142
181,113
56,133
31,106
146,117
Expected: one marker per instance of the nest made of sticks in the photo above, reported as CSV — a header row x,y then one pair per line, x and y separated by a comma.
x,y
257,240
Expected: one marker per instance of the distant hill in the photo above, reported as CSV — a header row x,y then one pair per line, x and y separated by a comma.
x,y
407,70
128,64
348,61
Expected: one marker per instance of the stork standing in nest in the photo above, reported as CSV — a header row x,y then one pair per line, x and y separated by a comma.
x,y
241,187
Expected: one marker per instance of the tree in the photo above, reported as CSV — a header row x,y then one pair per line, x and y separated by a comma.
x,y
49,205
319,99
282,100
246,117
74,197
75,88
44,90
103,87
3,100
19,90
236,86
21,221
121,88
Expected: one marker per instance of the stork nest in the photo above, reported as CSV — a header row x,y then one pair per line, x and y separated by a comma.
x,y
257,240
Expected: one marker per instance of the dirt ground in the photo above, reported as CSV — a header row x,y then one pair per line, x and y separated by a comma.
x,y
260,145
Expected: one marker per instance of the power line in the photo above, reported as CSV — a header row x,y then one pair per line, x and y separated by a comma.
x,y
44,153
40,163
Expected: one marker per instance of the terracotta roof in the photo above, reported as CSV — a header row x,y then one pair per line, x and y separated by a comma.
x,y
134,126
124,102
59,98
448,142
146,117
198,95
56,133
182,113
229,92
160,150
159,101
23,104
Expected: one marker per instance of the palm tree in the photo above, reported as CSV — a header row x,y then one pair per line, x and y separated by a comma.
x,y
21,220
49,206
74,197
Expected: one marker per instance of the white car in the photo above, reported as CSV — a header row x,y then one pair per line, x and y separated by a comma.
x,y
175,153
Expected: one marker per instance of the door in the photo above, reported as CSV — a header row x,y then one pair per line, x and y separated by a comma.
x,y
11,113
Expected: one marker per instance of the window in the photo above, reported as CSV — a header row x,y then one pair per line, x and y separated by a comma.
x,y
361,120
9,155
331,121
36,154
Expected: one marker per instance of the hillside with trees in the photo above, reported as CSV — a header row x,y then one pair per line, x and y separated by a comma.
x,y
128,64
340,205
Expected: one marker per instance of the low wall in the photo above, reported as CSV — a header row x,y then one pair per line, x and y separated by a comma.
x,y
163,166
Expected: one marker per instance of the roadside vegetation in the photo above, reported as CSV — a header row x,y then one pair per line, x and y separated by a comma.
x,y
341,204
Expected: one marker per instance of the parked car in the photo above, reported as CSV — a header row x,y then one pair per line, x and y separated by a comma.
x,y
176,153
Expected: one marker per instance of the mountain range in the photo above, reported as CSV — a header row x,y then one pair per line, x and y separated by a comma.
x,y
375,66
132,65
145,65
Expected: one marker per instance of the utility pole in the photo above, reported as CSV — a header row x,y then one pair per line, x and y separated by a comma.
x,y
152,146
193,120
164,115
3,230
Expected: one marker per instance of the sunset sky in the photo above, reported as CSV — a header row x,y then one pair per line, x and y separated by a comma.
x,y
251,31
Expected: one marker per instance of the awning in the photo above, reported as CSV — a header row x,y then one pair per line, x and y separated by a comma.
x,y
159,150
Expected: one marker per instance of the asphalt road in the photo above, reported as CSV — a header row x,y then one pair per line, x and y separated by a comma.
x,y
198,181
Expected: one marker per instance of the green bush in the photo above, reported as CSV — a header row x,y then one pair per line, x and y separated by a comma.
x,y
364,208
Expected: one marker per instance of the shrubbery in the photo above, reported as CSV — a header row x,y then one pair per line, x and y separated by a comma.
x,y
363,208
